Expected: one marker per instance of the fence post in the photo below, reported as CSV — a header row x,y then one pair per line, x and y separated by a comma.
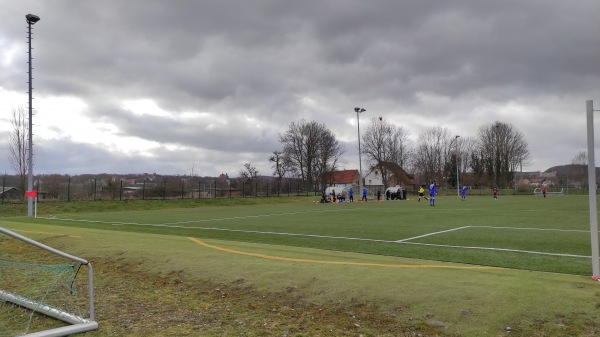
x,y
267,190
215,194
121,191
3,186
164,190
229,191
95,189
144,190
69,190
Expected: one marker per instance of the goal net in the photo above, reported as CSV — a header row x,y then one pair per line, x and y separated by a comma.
x,y
42,290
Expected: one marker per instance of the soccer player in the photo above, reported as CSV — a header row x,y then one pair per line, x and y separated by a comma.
x,y
463,192
432,190
544,190
495,192
421,191
351,194
364,197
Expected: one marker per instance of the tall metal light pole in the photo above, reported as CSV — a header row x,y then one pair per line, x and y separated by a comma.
x,y
360,184
31,20
457,176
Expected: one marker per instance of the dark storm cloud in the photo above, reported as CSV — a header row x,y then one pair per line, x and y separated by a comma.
x,y
241,71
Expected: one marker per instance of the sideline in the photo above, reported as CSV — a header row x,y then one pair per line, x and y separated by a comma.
x,y
289,259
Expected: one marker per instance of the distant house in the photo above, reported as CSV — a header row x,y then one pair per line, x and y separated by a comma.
x,y
10,193
396,176
340,178
374,180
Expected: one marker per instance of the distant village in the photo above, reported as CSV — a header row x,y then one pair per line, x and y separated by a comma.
x,y
156,186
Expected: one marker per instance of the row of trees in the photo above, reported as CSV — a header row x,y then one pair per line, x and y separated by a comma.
x,y
310,149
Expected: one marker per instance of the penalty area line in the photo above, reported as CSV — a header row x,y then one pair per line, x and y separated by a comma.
x,y
430,234
348,263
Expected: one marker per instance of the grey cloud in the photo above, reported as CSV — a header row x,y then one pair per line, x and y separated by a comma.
x,y
258,59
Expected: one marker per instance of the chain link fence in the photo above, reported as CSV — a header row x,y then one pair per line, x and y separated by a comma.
x,y
65,188
105,187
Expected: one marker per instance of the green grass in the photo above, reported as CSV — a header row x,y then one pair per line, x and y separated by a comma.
x,y
161,285
256,279
522,232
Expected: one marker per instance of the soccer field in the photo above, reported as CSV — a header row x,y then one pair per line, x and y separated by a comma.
x,y
523,232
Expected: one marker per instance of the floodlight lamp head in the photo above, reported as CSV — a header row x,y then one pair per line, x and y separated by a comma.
x,y
357,109
32,19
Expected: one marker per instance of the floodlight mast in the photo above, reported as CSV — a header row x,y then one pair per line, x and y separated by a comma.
x,y
31,20
360,182
457,166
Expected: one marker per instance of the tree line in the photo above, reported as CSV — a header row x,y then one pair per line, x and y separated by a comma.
x,y
309,150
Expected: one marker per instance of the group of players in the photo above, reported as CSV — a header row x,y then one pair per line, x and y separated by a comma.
x,y
433,191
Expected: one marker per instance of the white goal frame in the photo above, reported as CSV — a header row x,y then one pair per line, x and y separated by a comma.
x,y
78,324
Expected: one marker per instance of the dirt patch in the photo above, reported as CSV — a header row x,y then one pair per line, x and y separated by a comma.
x,y
131,302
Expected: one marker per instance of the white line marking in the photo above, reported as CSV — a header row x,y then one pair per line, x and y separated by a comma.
x,y
497,249
533,229
200,220
430,234
403,241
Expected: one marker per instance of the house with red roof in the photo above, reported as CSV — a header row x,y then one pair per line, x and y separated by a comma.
x,y
341,178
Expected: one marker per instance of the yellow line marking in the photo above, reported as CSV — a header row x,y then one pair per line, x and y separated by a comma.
x,y
289,259
34,232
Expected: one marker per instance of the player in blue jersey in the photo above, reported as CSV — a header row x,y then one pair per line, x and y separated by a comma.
x,y
432,191
463,192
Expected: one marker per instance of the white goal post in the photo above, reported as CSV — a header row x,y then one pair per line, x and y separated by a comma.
x,y
538,192
78,324
592,190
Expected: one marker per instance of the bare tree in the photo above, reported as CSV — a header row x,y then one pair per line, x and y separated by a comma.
x,y
504,149
249,173
432,153
385,143
461,152
329,154
477,163
466,147
19,146
310,149
278,164
580,163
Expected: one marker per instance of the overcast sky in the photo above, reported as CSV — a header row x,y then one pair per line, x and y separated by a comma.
x,y
178,86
